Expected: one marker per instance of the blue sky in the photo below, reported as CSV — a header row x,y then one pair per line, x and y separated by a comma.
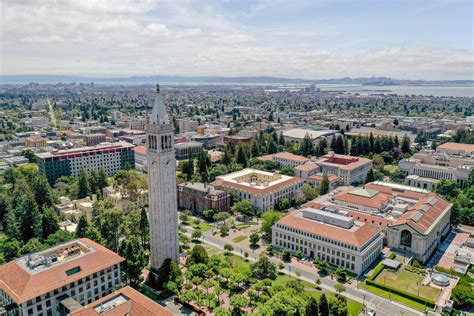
x,y
306,39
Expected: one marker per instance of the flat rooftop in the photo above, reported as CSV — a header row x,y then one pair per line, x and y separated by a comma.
x,y
104,147
36,274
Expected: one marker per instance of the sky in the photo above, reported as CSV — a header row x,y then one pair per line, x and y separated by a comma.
x,y
311,39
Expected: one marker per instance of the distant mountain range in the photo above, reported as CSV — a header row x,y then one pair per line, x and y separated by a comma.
x,y
135,80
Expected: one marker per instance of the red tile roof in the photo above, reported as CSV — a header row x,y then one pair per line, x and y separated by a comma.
x,y
376,201
343,161
137,305
22,286
307,166
289,156
423,214
456,146
319,177
357,238
223,184
141,150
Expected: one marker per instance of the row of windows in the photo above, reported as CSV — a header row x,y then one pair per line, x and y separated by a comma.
x,y
317,237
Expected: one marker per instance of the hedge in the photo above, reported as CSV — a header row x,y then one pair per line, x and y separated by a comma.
x,y
379,268
422,300
392,256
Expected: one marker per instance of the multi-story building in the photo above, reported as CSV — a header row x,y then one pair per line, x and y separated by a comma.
x,y
186,125
297,135
198,197
306,170
263,189
329,235
348,169
122,201
125,301
316,180
35,142
186,150
208,141
72,210
74,273
286,159
94,139
111,157
414,220
450,161
140,158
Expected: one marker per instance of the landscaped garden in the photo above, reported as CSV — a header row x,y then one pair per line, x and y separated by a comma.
x,y
402,285
226,284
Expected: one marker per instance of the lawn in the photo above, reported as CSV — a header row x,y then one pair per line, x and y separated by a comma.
x,y
239,239
390,168
204,227
240,264
392,296
407,281
353,307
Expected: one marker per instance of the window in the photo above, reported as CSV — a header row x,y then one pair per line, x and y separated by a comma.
x,y
73,271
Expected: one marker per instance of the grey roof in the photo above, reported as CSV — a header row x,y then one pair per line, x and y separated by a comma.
x,y
441,278
394,264
159,114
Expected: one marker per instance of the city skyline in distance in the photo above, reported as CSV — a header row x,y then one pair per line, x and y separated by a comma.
x,y
429,40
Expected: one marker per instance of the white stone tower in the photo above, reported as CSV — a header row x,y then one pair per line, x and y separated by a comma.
x,y
163,207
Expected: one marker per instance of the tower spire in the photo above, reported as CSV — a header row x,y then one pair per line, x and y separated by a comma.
x,y
158,114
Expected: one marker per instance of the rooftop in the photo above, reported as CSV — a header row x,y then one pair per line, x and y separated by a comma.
x,y
301,133
469,148
255,181
103,147
343,161
36,274
357,235
125,301
289,156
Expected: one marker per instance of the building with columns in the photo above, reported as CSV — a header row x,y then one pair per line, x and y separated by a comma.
x,y
163,207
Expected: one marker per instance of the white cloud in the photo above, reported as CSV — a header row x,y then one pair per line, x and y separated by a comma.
x,y
187,38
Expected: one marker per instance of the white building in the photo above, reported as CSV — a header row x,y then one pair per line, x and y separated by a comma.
x,y
76,272
450,161
329,235
264,189
296,135
348,169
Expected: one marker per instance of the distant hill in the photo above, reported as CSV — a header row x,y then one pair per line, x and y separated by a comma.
x,y
374,81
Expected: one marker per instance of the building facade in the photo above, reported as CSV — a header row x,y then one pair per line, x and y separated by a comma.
x,y
450,161
198,197
329,235
110,157
187,150
163,208
264,189
75,273
348,169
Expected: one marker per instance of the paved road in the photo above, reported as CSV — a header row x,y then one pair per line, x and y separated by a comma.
x,y
381,305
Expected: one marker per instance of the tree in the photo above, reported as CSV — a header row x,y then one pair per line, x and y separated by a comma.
x,y
238,302
307,146
406,145
228,248
339,288
285,255
59,237
198,255
263,268
136,259
309,191
244,207
312,307
283,204
33,245
447,188
241,156
197,234
462,294
144,227
288,171
269,218
93,234
169,271
324,186
82,226
9,247
30,155
370,177
254,238
323,305
11,224
49,222
83,189
30,218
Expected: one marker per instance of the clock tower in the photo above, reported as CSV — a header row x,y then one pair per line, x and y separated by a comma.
x,y
163,208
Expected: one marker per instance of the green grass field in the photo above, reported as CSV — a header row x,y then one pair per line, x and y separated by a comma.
x,y
204,227
390,168
407,281
392,296
239,239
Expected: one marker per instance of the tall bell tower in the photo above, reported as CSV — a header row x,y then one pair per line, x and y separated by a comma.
x,y
163,208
